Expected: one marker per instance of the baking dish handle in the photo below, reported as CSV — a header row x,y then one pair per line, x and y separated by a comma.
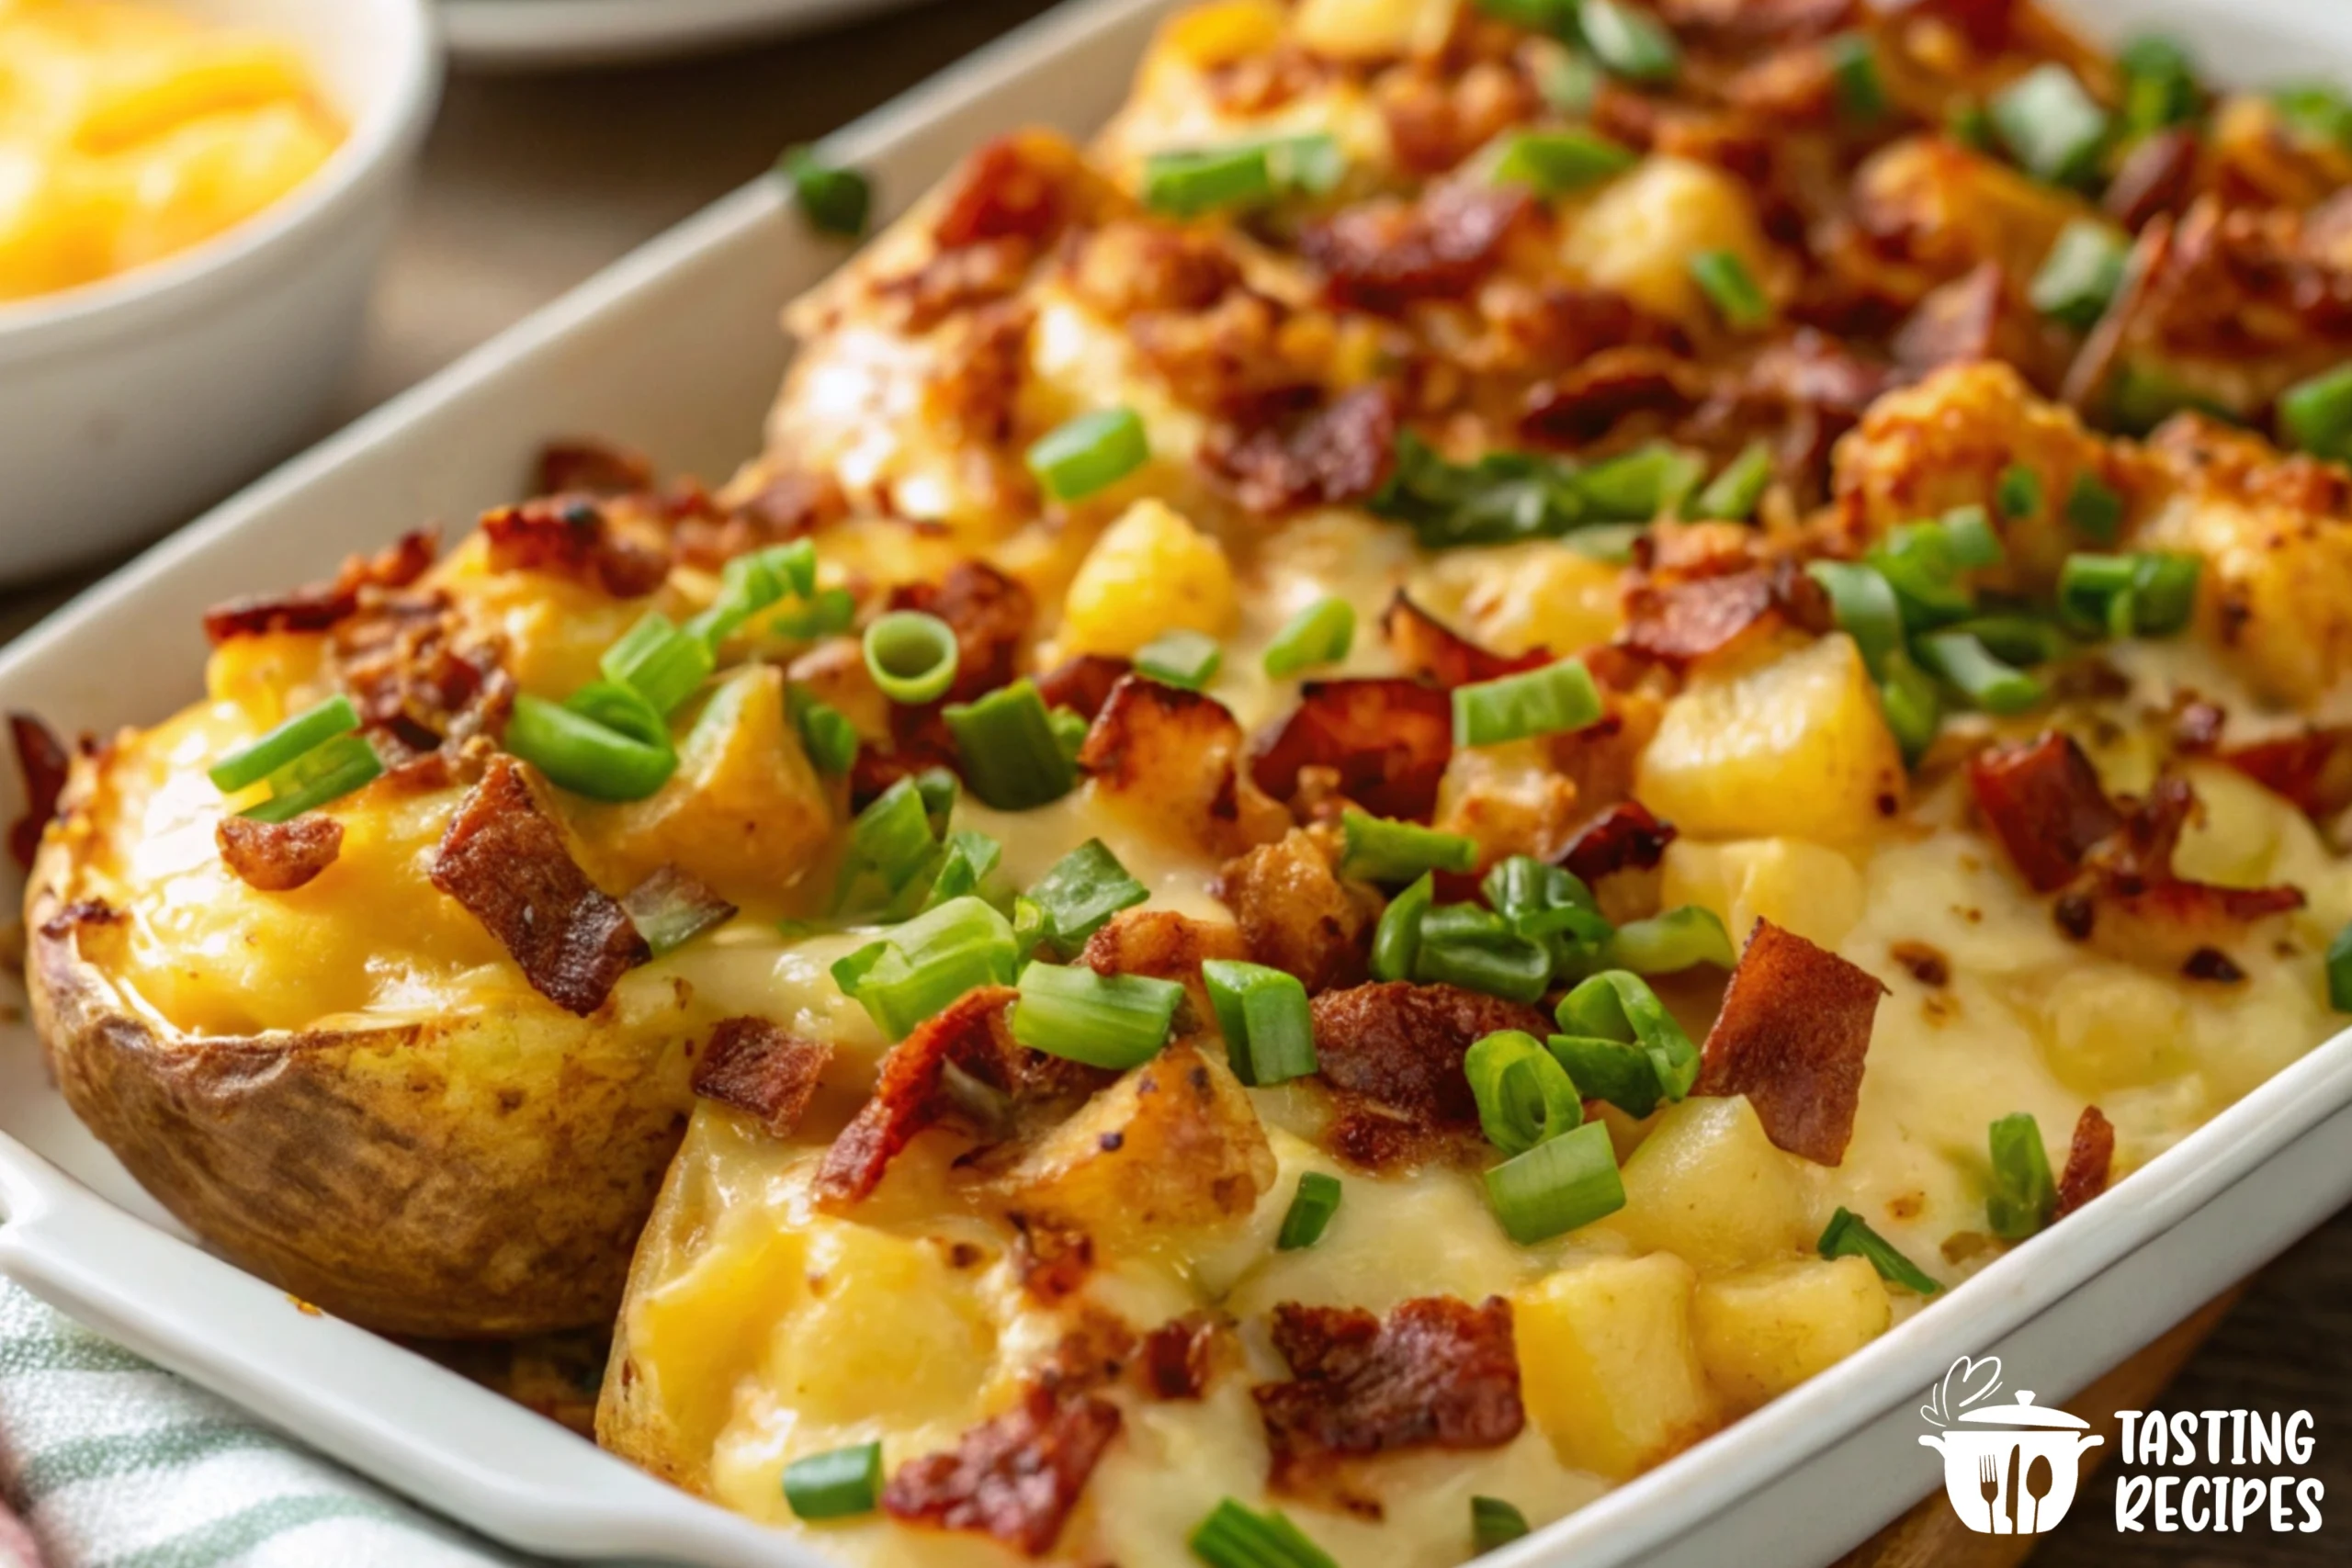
x,y
455,1445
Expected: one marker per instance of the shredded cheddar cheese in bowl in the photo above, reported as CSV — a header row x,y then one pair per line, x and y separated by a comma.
x,y
129,134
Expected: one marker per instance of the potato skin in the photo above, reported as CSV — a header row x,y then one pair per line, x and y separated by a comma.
x,y
479,1173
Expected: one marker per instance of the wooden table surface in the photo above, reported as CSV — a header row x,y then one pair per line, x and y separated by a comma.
x,y
531,183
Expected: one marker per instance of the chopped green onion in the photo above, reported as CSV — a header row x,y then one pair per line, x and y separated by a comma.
x,y
2081,273
826,733
2159,83
1105,1021
1557,1186
837,1484
1620,1074
1375,848
1555,162
1493,1523
1568,81
1723,277
2019,494
604,742
1185,658
2022,1197
1320,634
1029,930
1969,125
1397,940
2318,112
1500,498
1090,454
2053,127
1012,756
323,775
1970,538
669,908
1629,43
2145,595
924,965
1233,1537
1619,1007
1069,729
1550,700
893,836
1186,184
1912,706
965,862
827,612
1853,72
1677,940
1081,891
2316,415
1641,485
2019,640
1476,949
2141,397
2094,510
1524,1096
1733,494
663,664
1557,17
1987,682
1915,560
1263,1013
1864,606
1847,1235
911,656
1543,901
305,731
751,583
939,790
1610,542
834,201
1310,1211
2339,971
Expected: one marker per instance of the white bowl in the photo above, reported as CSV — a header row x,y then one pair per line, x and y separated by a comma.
x,y
128,404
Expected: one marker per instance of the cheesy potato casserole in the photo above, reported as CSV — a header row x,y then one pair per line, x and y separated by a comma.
x,y
128,133
1392,790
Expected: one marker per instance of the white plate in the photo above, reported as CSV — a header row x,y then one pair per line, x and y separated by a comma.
x,y
538,34
675,350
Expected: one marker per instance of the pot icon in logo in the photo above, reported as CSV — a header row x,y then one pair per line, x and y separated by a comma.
x,y
2014,1470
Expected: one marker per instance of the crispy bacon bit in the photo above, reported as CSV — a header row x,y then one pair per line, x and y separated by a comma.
x,y
44,763
1179,1356
915,1089
1585,403
569,536
1978,316
2043,800
2313,769
757,1067
1627,836
79,913
2132,904
505,859
1926,962
775,506
1011,188
2157,176
321,605
588,466
990,614
1295,913
1015,1477
278,857
1052,1256
418,675
1338,456
1434,652
1795,1024
2088,1161
1383,255
1400,1045
1389,741
1438,1372
1678,623
1083,683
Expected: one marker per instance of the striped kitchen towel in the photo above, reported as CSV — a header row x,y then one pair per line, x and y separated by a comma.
x,y
114,1463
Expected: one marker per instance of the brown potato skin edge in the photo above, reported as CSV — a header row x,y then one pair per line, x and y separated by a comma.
x,y
372,1197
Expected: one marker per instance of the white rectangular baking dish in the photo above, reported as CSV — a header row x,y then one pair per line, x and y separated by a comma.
x,y
675,350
